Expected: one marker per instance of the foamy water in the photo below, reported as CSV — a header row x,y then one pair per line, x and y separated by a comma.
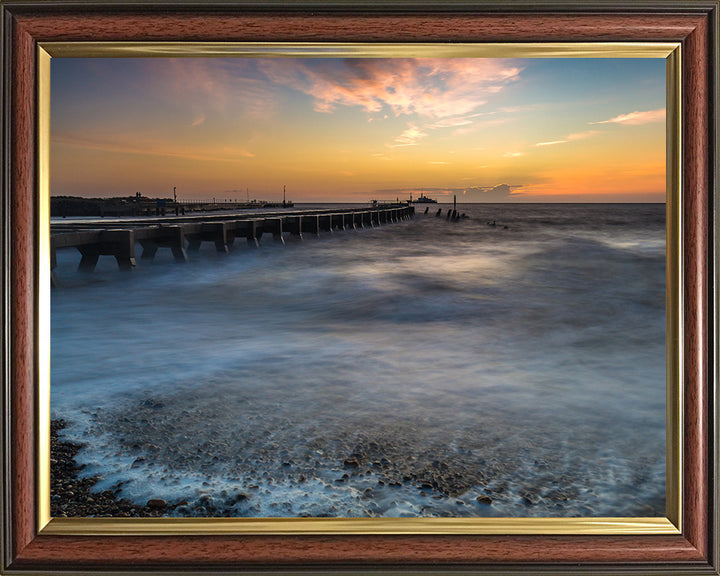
x,y
403,370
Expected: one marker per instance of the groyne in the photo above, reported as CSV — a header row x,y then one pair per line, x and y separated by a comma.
x,y
185,234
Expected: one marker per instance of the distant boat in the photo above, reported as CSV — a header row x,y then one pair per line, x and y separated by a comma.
x,y
424,200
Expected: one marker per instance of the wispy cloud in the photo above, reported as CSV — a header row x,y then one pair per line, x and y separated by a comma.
x,y
636,118
439,93
198,120
477,126
569,138
552,143
455,121
513,154
523,108
582,135
430,87
219,86
438,162
148,148
409,137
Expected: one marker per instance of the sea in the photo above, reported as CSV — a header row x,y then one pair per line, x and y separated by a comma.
x,y
508,364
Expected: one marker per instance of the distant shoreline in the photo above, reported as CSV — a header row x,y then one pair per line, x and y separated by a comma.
x,y
77,206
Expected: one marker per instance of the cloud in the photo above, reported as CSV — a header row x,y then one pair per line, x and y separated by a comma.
x,y
569,138
582,135
464,124
438,162
433,88
494,194
198,120
455,121
636,118
409,137
151,148
498,193
450,123
219,86
441,92
513,154
522,108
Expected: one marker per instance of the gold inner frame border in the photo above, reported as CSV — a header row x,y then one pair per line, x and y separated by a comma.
x,y
671,524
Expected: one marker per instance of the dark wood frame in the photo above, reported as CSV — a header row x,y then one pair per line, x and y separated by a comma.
x,y
694,23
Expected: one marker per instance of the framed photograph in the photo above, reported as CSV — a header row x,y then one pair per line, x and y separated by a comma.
x,y
320,287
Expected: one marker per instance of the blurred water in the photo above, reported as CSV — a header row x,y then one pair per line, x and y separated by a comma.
x,y
444,360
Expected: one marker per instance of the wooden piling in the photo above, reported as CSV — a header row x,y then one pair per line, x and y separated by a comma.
x,y
338,221
187,234
357,220
251,230
118,243
311,223
216,232
326,222
294,225
275,227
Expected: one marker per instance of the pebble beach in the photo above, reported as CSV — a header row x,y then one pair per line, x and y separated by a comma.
x,y
375,373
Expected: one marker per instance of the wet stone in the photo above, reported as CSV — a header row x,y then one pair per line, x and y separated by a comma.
x,y
529,499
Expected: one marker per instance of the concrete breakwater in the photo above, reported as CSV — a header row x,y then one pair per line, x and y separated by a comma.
x,y
186,234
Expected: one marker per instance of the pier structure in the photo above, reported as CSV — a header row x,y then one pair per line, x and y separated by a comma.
x,y
185,235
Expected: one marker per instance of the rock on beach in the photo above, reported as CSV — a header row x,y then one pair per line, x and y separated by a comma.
x,y
72,496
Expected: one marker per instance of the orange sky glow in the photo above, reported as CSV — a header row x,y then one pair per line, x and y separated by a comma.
x,y
352,130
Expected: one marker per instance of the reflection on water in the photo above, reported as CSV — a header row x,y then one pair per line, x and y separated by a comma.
x,y
421,368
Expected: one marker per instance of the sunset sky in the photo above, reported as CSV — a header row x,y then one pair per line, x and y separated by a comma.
x,y
527,130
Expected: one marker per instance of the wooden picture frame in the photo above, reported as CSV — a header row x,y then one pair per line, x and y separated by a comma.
x,y
26,25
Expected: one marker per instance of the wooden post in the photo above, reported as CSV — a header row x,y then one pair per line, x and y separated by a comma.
x,y
326,222
251,230
216,232
337,221
149,249
90,255
311,224
274,226
125,250
294,224
121,244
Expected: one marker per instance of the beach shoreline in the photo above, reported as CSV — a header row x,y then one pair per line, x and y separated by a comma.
x,y
72,496
385,378
446,487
